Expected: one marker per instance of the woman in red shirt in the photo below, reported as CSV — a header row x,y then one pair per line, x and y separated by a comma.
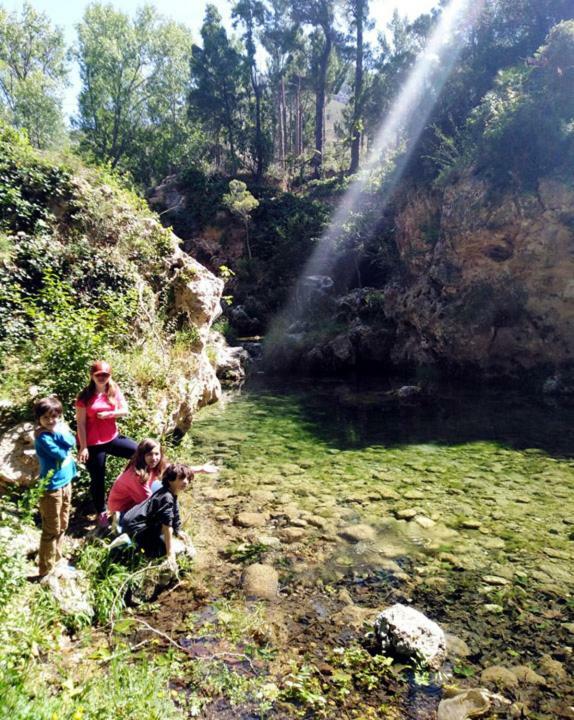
x,y
134,485
97,407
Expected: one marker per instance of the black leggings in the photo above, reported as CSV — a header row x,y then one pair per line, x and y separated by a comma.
x,y
120,446
151,541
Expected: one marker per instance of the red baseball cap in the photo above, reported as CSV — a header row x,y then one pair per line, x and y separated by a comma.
x,y
100,366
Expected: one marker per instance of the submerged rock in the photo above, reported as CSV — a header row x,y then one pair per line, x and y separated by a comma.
x,y
292,534
552,668
456,646
358,533
499,676
526,675
408,632
260,581
468,704
251,519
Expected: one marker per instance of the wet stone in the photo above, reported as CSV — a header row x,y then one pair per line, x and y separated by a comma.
x,y
358,533
406,514
471,524
424,522
499,676
468,704
414,495
551,668
292,534
260,581
262,496
495,580
528,676
251,519
492,608
456,647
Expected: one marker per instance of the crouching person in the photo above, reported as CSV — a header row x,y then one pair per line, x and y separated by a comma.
x,y
154,524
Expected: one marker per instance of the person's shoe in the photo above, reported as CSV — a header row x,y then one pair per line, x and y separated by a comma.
x,y
122,540
103,520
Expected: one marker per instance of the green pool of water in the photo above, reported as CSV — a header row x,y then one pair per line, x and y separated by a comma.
x,y
488,477
469,497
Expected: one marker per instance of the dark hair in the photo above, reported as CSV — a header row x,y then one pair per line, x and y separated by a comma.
x,y
175,471
90,390
138,460
46,405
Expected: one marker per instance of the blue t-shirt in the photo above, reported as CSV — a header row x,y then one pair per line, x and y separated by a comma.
x,y
54,454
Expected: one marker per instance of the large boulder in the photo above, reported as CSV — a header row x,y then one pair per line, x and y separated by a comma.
x,y
196,293
196,298
18,462
409,633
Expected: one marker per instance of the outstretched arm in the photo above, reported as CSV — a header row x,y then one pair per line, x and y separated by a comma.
x,y
207,468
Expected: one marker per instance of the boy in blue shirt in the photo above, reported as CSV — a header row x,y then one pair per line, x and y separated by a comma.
x,y
54,443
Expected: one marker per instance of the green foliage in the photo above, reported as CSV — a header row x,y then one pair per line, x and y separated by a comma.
x,y
32,74
526,123
245,552
239,200
218,82
132,106
66,340
109,578
29,185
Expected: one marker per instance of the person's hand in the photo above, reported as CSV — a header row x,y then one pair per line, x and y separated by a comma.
x,y
209,468
172,563
105,414
83,455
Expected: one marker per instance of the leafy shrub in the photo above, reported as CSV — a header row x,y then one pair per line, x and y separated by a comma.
x,y
29,185
525,125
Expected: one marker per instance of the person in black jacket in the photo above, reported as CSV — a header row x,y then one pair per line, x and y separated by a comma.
x,y
153,523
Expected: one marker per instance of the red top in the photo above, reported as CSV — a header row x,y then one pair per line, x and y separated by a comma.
x,y
98,430
128,490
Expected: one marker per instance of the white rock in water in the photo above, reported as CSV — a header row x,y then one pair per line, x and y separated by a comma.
x,y
470,703
408,632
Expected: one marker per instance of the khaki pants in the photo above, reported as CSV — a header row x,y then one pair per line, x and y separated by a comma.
x,y
55,512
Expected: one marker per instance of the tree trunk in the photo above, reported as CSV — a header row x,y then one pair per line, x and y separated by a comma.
x,y
284,117
320,97
298,120
280,127
357,101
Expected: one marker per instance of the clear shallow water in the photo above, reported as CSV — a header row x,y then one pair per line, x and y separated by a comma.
x,y
468,499
493,473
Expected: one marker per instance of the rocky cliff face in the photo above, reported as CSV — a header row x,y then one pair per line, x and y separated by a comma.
x,y
483,282
489,279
